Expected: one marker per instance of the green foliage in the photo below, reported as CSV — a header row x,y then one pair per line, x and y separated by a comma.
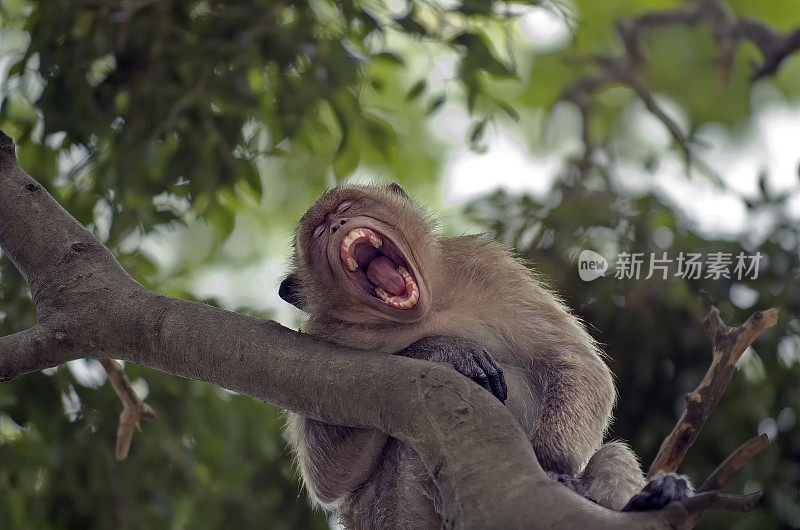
x,y
212,124
210,460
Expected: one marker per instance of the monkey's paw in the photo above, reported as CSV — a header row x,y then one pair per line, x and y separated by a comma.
x,y
662,489
468,358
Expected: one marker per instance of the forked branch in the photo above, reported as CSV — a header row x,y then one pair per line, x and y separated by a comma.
x,y
729,345
134,409
734,463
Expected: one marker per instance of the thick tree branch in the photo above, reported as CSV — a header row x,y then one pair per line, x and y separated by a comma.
x,y
481,460
729,345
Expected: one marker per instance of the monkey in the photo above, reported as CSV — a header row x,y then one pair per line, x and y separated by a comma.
x,y
371,272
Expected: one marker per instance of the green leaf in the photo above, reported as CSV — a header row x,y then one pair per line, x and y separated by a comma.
x,y
390,57
416,90
381,134
346,162
410,24
507,108
435,104
478,54
476,131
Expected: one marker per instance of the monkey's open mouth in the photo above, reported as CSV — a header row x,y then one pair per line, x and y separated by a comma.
x,y
375,264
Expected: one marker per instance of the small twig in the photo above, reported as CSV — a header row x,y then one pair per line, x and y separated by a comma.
x,y
638,86
734,463
686,513
774,48
729,345
134,409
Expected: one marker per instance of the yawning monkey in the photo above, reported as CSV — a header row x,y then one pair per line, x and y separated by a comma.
x,y
372,273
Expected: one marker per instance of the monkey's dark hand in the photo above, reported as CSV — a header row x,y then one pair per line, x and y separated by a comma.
x,y
467,357
662,489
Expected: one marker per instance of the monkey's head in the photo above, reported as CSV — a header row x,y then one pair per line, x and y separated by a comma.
x,y
360,255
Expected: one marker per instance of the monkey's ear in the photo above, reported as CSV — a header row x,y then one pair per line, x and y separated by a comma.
x,y
291,291
395,187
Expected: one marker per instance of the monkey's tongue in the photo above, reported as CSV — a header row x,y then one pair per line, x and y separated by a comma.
x,y
383,272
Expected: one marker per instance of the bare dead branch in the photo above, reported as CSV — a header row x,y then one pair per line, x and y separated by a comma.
x,y
686,513
133,408
715,500
729,345
734,463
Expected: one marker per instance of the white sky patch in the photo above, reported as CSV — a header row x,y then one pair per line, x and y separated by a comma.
x,y
505,165
768,141
444,70
543,29
743,296
87,372
780,134
254,286
711,210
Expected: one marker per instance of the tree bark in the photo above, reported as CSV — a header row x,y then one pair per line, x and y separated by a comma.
x,y
87,305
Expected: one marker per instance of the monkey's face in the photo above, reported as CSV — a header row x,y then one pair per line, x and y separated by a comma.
x,y
359,255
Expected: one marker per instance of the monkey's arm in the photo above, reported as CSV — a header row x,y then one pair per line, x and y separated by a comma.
x,y
577,398
334,460
467,357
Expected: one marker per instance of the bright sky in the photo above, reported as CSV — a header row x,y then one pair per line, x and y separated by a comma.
x,y
769,141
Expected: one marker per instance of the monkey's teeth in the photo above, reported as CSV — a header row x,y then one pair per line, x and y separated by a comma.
x,y
358,233
410,295
354,234
411,287
383,294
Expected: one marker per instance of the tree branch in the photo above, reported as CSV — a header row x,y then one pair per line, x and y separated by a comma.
x,y
734,463
134,409
729,345
480,459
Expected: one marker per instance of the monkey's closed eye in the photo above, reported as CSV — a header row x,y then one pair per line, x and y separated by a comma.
x,y
318,231
344,207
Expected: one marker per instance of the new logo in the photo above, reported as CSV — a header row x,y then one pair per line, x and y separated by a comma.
x,y
591,265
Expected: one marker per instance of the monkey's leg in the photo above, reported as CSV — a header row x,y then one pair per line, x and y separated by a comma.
x,y
334,460
613,478
467,357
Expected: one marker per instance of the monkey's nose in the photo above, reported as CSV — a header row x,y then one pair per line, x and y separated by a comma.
x,y
336,224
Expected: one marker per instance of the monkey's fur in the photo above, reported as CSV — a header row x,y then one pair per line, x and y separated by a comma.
x,y
476,301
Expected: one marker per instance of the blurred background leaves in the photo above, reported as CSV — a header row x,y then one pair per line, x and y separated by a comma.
x,y
190,135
